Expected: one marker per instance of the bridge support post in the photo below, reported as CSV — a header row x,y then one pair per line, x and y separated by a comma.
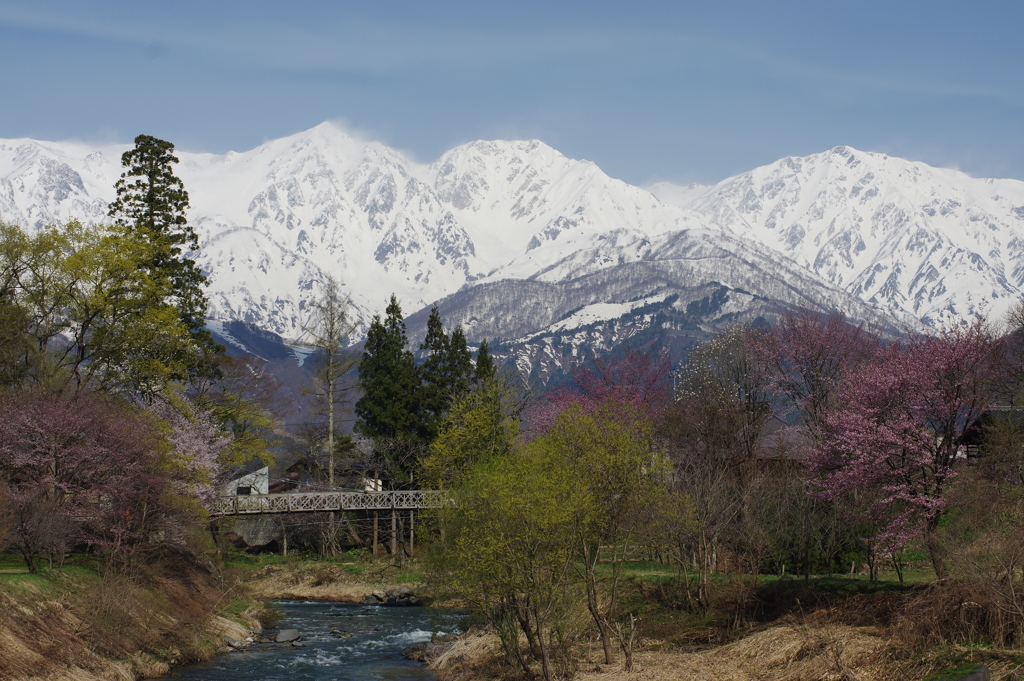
x,y
394,531
411,546
375,533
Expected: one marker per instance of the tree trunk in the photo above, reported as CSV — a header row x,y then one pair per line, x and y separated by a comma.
x,y
602,627
332,547
353,534
403,548
626,642
522,611
545,658
935,552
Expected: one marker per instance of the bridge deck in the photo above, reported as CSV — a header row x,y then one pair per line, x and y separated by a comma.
x,y
304,502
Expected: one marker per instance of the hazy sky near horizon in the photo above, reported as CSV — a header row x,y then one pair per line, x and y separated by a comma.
x,y
679,91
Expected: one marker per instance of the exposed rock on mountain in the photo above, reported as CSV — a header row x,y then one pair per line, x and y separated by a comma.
x,y
519,242
934,243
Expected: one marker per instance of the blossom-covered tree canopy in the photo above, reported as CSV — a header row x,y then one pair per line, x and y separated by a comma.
x,y
895,434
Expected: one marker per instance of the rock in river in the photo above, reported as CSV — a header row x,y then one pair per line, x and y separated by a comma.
x,y
287,635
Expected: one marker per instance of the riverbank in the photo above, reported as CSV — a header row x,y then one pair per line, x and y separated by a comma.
x,y
341,582
790,652
825,629
822,629
83,622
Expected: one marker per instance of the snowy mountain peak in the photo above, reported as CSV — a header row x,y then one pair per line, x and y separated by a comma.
x,y
911,238
843,229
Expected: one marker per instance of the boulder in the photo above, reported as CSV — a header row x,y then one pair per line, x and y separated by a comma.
x,y
287,636
233,643
400,597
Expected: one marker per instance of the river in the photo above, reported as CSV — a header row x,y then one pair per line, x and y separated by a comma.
x,y
366,643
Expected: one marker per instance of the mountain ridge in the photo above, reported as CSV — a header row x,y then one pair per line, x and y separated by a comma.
x,y
891,242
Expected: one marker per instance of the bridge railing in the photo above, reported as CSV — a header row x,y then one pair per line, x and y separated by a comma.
x,y
305,502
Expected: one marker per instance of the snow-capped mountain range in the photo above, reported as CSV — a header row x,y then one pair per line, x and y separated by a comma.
x,y
513,238
934,243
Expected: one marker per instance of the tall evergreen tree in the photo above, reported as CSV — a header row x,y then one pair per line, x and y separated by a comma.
x,y
432,372
150,207
387,375
445,374
458,366
484,370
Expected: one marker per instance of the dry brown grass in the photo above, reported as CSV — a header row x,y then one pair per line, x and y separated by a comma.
x,y
41,639
781,653
315,582
119,627
952,611
471,657
787,652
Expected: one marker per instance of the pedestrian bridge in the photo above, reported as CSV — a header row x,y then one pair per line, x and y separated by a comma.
x,y
307,502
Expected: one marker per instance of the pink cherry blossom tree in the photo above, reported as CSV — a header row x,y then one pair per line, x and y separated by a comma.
x,y
84,457
196,443
807,355
637,381
894,434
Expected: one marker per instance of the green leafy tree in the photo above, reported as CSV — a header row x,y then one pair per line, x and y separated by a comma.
x,y
509,552
150,206
88,314
521,516
247,401
482,424
15,344
606,455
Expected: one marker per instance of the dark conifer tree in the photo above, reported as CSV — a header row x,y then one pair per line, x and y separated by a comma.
x,y
387,375
458,366
433,374
446,373
150,206
484,370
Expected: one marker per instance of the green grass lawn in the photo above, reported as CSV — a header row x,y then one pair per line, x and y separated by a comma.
x,y
13,568
650,570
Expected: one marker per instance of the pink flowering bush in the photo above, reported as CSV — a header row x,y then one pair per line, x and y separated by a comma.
x,y
807,357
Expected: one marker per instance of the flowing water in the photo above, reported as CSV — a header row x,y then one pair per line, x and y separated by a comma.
x,y
367,644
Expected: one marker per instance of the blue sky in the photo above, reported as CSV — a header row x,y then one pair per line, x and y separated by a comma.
x,y
648,90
